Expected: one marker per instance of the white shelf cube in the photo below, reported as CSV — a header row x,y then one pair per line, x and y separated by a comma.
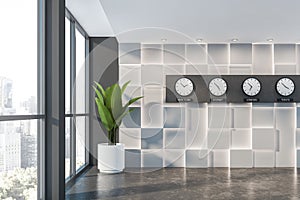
x,y
262,59
219,117
241,139
218,139
218,54
263,117
174,158
218,69
174,117
129,53
285,123
151,138
240,70
286,69
196,69
264,139
197,158
242,117
132,158
152,110
152,75
130,73
196,128
130,137
298,116
298,58
152,54
298,138
264,159
220,158
152,158
241,53
174,139
284,53
174,54
298,158
196,53
241,158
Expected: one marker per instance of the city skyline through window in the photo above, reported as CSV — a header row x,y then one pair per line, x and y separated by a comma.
x,y
19,96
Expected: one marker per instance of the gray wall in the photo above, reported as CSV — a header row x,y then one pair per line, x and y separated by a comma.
x,y
103,58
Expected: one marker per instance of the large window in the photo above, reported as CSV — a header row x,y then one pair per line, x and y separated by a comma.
x,y
76,94
21,111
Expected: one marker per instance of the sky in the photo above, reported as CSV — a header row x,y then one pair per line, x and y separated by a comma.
x,y
18,46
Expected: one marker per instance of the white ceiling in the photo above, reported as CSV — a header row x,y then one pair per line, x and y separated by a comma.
x,y
183,21
91,16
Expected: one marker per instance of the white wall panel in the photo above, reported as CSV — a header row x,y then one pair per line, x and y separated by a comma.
x,y
221,158
196,128
197,158
174,158
241,139
236,135
241,158
264,159
285,123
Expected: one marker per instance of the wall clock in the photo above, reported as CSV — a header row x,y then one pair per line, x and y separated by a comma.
x,y
184,86
251,86
285,87
217,87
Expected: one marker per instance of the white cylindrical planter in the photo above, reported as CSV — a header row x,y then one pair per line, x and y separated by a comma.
x,y
111,158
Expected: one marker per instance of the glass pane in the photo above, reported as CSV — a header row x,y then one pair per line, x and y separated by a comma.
x,y
67,65
68,147
80,141
18,63
80,73
18,159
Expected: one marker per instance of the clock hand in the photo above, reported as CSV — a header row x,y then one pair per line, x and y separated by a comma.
x,y
182,85
217,86
285,86
250,86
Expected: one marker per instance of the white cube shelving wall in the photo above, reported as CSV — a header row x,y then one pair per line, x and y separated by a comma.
x,y
159,134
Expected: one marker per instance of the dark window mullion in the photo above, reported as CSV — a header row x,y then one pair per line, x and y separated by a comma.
x,y
41,75
20,117
73,98
87,102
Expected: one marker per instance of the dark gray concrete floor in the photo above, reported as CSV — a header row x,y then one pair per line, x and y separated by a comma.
x,y
181,183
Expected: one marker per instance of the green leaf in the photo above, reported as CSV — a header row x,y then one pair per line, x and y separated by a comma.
x,y
105,115
125,86
98,94
131,101
101,89
116,101
120,118
108,93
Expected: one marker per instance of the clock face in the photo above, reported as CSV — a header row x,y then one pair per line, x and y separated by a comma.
x,y
251,86
184,86
217,87
285,87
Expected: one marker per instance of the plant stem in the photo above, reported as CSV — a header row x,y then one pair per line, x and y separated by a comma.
x,y
112,136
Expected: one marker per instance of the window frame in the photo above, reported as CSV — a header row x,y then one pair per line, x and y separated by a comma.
x,y
74,24
40,116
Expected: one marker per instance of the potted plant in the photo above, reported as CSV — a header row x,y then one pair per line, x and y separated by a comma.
x,y
111,156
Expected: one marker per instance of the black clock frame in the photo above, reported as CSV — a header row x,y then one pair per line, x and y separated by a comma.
x,y
234,93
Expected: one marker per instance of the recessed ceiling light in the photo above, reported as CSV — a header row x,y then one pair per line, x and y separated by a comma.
x,y
270,39
235,40
199,40
163,39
